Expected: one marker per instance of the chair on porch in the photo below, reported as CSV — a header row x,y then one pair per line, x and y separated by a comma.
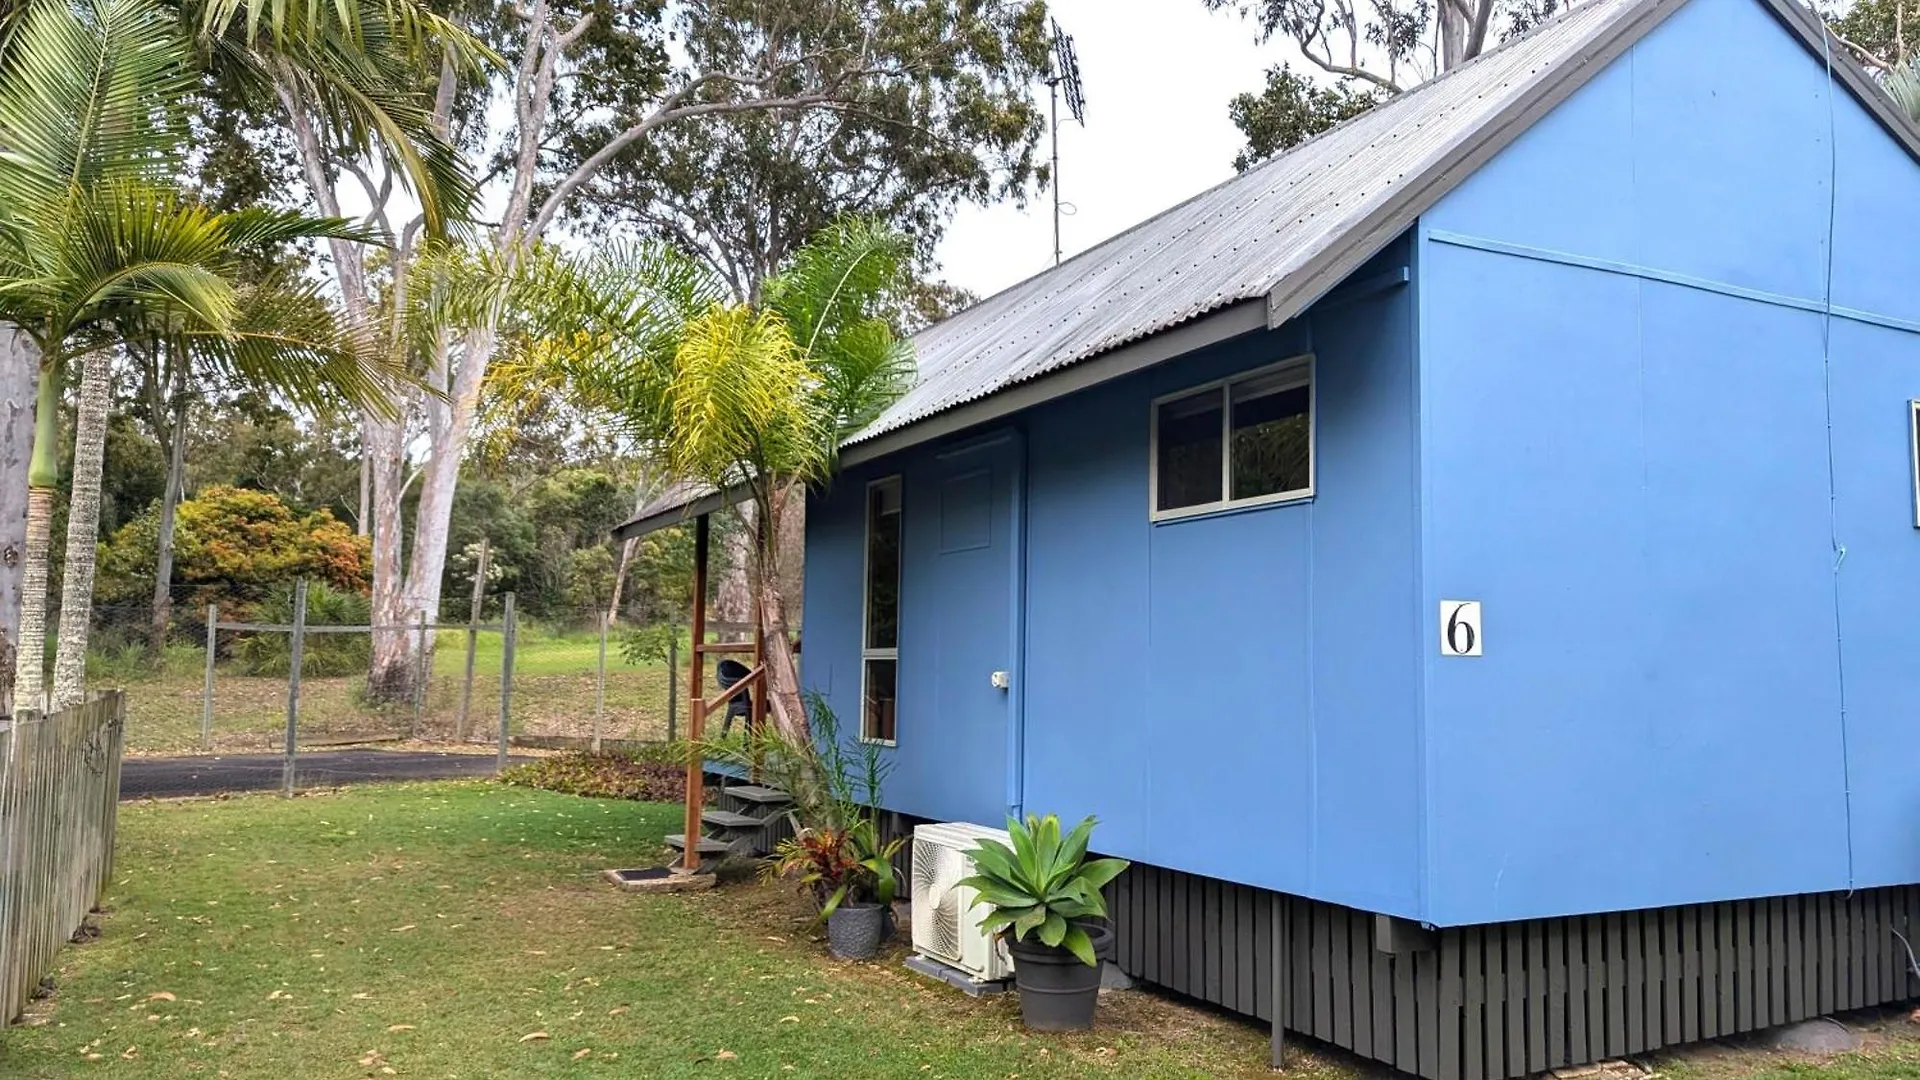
x,y
727,673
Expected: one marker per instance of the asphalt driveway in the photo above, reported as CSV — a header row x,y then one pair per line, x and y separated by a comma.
x,y
168,777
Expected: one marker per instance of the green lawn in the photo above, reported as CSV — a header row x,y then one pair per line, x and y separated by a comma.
x,y
459,930
553,694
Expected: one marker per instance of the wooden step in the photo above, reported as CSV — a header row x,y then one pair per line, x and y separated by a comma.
x,y
727,819
708,846
754,793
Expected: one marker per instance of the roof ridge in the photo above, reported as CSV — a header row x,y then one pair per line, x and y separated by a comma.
x,y
1371,115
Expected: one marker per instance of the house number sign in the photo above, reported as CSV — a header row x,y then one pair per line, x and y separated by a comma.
x,y
1460,628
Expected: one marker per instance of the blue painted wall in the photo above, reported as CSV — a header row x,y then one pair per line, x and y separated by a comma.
x,y
1626,386
1232,695
1611,407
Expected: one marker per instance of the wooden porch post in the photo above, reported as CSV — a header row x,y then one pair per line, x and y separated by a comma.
x,y
696,700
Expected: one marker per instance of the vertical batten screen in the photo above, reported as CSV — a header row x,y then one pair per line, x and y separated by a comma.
x,y
1507,1000
880,643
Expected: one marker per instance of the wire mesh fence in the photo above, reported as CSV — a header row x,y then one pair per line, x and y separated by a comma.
x,y
223,682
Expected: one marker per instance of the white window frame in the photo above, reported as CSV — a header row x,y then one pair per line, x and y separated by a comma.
x,y
866,580
1913,448
1304,364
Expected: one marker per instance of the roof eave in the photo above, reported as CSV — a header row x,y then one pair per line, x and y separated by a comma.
x,y
1224,324
679,514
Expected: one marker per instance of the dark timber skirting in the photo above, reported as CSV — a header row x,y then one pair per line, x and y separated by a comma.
x,y
1511,999
1508,999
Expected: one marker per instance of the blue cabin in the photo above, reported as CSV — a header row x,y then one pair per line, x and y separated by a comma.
x,y
1468,562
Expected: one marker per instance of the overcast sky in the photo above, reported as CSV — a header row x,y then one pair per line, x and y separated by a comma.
x,y
1158,76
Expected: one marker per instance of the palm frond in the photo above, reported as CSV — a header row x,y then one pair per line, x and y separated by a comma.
x,y
90,92
837,278
737,395
267,227
360,74
129,243
285,335
1903,85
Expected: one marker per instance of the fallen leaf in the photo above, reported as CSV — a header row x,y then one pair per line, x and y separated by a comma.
x,y
161,995
789,1019
401,1027
725,1055
583,1052
404,929
616,1010
534,1036
363,996
130,1053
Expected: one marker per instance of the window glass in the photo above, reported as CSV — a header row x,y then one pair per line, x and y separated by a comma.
x,y
877,711
1189,445
883,565
1271,436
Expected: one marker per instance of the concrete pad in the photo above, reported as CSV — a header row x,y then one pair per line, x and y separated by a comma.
x,y
656,879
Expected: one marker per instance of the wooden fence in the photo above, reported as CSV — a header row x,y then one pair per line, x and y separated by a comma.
x,y
59,791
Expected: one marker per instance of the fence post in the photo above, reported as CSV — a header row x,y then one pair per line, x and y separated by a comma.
x,y
420,673
206,692
473,643
600,685
296,662
673,677
506,677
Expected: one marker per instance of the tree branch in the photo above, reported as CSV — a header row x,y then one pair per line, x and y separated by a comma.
x,y
660,117
1350,71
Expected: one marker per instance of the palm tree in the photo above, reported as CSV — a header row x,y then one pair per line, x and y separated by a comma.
x,y
731,395
97,246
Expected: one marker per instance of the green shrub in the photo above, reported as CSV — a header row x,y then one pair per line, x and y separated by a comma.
x,y
234,547
651,775
119,658
271,652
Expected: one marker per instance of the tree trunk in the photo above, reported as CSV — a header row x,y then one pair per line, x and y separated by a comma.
x,y
169,513
43,473
449,424
19,372
83,531
390,676
733,596
1453,35
30,672
627,548
783,670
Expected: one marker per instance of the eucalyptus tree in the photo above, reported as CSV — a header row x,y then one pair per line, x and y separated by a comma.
x,y
590,87
753,397
97,245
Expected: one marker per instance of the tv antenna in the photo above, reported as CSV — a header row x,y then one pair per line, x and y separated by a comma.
x,y
1065,75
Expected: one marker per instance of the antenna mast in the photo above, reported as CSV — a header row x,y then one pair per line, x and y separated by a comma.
x,y
1065,75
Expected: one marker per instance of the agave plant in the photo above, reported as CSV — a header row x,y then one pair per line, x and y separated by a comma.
x,y
1044,885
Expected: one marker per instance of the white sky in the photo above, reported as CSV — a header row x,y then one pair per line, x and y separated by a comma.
x,y
1158,76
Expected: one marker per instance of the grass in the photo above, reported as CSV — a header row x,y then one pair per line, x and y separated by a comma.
x,y
553,694
459,930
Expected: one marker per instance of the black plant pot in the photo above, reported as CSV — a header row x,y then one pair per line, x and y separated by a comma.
x,y
1058,991
853,930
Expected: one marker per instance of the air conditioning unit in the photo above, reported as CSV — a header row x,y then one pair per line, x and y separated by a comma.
x,y
946,925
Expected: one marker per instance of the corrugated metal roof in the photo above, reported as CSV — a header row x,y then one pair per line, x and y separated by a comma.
x,y
1286,229
1238,241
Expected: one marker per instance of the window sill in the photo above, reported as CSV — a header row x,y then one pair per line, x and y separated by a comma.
x,y
890,743
1211,510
